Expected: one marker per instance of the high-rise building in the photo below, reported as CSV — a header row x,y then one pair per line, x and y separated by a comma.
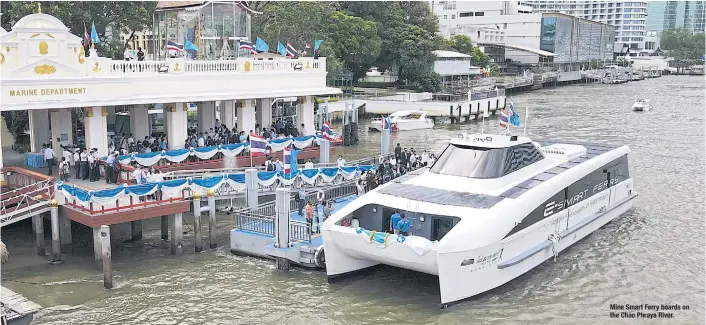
x,y
664,15
629,18
452,14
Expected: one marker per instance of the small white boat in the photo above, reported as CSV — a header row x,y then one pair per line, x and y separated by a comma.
x,y
641,105
405,121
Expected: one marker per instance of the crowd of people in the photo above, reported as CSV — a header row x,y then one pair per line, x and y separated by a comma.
x,y
395,165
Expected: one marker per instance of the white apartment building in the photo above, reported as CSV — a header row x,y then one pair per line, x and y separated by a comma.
x,y
629,18
453,14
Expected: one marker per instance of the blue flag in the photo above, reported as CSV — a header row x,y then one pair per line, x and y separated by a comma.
x,y
189,46
514,117
94,34
261,46
293,165
281,49
317,43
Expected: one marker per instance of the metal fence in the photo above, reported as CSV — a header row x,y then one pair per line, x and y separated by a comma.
x,y
299,231
261,224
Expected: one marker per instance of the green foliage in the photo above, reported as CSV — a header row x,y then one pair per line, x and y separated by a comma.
x,y
125,16
462,44
17,122
357,42
682,44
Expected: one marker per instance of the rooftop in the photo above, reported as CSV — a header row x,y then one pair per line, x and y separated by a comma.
x,y
450,54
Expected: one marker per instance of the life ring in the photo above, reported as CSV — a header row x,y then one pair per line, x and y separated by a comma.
x,y
319,257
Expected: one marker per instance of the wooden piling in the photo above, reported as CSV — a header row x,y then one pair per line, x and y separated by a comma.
x,y
198,247
165,227
136,228
177,239
106,255
55,239
38,222
211,219
97,247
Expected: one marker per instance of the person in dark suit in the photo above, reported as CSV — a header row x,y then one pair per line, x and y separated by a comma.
x,y
398,152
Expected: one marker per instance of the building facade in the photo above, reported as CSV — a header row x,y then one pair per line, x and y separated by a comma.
x,y
665,15
453,14
573,39
628,18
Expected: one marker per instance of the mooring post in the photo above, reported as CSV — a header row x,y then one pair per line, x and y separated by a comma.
x,y
97,247
136,227
197,222
65,232
282,225
55,239
211,194
385,143
251,194
165,227
177,240
38,222
324,152
106,254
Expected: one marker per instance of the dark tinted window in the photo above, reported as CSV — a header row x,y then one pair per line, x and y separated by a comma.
x,y
467,161
479,162
521,156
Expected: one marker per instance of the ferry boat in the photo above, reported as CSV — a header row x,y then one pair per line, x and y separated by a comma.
x,y
490,209
405,121
641,105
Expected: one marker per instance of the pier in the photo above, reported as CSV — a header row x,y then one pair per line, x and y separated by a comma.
x,y
15,309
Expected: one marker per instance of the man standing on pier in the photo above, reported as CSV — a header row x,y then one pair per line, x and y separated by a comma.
x,y
49,156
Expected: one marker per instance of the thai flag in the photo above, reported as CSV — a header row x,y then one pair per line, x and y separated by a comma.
x,y
291,52
247,45
258,145
504,118
86,37
308,46
287,160
174,46
327,132
387,124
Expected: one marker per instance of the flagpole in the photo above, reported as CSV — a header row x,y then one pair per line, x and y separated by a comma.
x,y
526,120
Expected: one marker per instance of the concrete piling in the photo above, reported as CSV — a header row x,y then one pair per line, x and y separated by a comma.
x,y
65,232
97,247
197,222
385,143
38,222
211,219
165,227
324,152
282,225
177,239
251,188
106,255
136,228
55,239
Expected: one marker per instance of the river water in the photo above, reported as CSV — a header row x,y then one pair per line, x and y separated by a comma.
x,y
654,254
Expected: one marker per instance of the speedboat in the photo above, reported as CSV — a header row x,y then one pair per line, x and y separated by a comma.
x,y
405,121
491,208
641,105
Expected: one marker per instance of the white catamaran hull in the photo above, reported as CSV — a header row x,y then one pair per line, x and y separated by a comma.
x,y
504,261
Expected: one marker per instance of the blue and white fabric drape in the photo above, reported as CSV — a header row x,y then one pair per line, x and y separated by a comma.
x,y
229,150
174,188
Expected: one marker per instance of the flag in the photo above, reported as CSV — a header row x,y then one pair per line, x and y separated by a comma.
x,y
86,37
514,117
504,117
261,46
189,46
94,34
327,132
294,163
317,44
174,46
387,124
281,49
287,160
291,52
246,45
257,145
308,46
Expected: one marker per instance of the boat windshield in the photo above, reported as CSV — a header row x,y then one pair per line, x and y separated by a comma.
x,y
481,162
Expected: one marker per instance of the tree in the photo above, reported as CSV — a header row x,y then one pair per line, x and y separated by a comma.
x,y
121,16
682,44
356,42
460,43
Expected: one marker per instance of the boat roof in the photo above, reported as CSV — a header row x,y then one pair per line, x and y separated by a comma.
x,y
405,113
489,140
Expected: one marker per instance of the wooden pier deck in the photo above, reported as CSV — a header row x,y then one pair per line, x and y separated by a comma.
x,y
15,309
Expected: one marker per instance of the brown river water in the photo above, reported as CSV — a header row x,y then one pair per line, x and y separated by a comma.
x,y
654,254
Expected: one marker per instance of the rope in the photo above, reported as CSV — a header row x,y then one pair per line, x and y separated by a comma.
x,y
554,238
